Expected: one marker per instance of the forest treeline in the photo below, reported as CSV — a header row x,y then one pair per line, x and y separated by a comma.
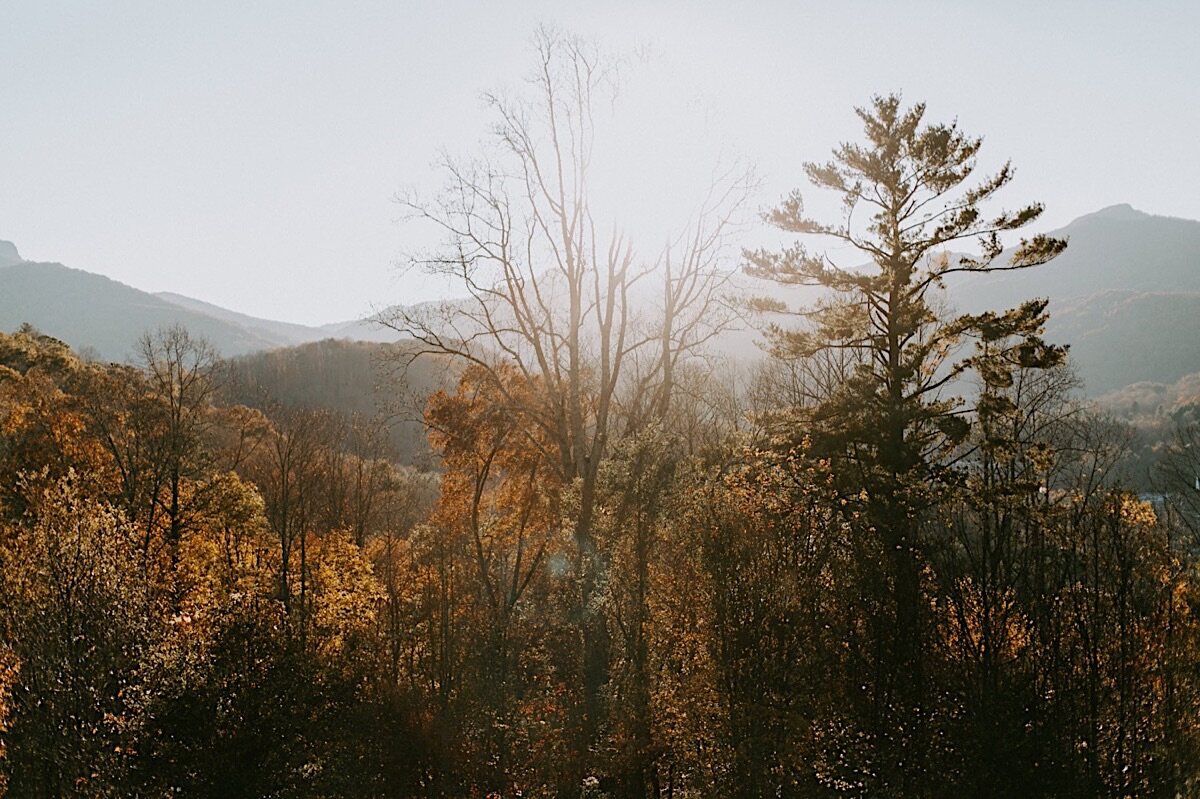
x,y
899,561
350,378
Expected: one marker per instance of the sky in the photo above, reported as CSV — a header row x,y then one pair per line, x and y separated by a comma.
x,y
250,154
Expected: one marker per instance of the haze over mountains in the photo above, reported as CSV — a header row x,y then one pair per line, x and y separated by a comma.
x,y
105,317
1125,295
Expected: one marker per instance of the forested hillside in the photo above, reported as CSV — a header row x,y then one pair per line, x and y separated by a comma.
x,y
195,598
901,558
357,380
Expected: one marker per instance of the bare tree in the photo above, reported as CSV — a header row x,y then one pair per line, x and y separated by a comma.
x,y
564,299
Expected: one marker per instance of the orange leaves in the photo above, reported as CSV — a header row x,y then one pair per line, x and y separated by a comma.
x,y
45,430
499,493
1135,512
978,625
346,595
9,668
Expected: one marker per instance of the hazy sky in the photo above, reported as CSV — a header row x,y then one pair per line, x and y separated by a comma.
x,y
247,154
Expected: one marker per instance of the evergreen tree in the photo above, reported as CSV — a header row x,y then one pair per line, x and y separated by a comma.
x,y
892,429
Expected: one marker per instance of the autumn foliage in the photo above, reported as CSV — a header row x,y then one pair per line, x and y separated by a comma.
x,y
897,560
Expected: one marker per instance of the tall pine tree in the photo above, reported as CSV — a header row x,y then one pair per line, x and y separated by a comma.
x,y
892,429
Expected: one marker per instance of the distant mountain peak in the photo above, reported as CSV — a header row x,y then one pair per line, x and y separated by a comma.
x,y
1121,212
9,254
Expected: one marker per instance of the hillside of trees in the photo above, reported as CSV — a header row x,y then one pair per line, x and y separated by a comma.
x,y
354,379
902,559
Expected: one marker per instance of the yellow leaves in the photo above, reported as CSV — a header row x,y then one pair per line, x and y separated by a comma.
x,y
500,494
197,576
71,539
977,626
235,525
1041,457
45,429
10,667
1183,598
1134,511
346,594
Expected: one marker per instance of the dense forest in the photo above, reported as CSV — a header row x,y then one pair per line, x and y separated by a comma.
x,y
899,560
353,379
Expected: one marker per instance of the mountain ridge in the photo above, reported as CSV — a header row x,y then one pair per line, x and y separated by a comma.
x,y
8,254
1125,295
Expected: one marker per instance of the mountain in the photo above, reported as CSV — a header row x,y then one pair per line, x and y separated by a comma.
x,y
1125,295
285,333
9,254
1123,337
288,333
95,314
361,330
1114,249
104,317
